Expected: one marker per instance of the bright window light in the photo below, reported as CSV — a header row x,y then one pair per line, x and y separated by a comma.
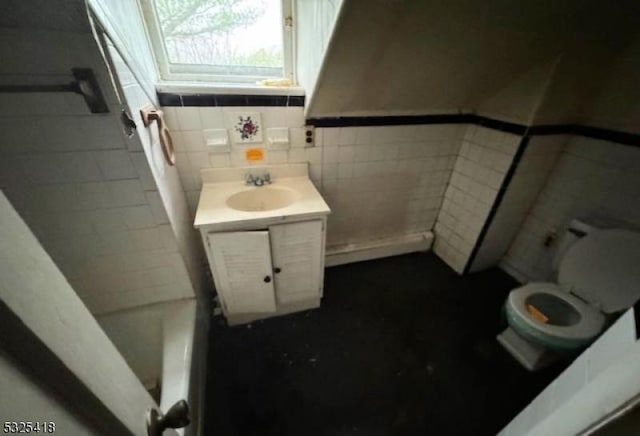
x,y
220,40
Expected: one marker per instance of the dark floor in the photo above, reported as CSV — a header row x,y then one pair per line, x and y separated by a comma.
x,y
401,346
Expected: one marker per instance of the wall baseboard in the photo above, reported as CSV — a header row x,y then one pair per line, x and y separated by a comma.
x,y
377,249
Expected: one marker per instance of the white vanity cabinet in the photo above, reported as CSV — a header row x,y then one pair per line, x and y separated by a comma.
x,y
267,272
264,241
297,250
242,268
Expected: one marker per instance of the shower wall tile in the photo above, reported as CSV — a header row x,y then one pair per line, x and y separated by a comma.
x,y
115,164
86,191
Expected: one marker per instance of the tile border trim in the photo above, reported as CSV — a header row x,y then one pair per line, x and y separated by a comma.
x,y
213,100
575,129
517,157
401,120
622,138
617,136
392,120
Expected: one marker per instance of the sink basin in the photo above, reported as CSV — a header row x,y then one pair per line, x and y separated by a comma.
x,y
262,199
227,203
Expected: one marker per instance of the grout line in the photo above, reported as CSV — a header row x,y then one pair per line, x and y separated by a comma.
x,y
169,99
238,100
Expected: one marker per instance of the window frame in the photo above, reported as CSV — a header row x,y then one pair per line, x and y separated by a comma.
x,y
198,73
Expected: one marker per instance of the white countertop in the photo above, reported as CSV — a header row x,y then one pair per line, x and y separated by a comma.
x,y
213,209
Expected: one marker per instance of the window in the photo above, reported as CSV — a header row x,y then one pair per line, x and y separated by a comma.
x,y
221,40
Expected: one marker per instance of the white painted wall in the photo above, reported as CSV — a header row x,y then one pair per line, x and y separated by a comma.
x,y
617,105
595,84
315,21
591,178
493,58
427,57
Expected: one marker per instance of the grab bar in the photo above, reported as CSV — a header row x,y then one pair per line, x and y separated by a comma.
x,y
85,84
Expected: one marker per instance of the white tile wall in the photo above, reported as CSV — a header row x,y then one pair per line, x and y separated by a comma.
x,y
379,181
395,180
187,125
530,176
85,190
484,159
166,201
591,178
383,182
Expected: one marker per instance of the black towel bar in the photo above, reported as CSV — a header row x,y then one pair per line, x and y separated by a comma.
x,y
85,84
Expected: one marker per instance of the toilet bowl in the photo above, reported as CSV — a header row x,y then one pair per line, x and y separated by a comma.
x,y
571,322
597,276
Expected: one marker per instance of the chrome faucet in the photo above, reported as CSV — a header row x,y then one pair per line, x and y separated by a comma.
x,y
265,179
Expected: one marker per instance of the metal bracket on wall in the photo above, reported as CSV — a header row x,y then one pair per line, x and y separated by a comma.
x,y
85,84
128,125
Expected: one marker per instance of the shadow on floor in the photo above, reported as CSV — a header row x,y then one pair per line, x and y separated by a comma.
x,y
401,346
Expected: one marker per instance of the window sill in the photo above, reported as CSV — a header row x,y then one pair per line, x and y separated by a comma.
x,y
226,88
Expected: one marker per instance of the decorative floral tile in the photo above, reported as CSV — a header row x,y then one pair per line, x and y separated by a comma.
x,y
247,128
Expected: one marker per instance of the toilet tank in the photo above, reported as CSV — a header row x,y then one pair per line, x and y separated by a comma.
x,y
581,227
578,228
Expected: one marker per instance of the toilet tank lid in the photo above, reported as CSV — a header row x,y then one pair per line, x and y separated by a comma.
x,y
603,268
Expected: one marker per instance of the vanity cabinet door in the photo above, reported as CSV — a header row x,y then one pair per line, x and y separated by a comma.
x,y
243,271
296,250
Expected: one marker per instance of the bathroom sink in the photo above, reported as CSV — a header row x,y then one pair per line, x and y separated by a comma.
x,y
262,199
228,202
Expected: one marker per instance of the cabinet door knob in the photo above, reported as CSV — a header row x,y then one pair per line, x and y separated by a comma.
x,y
267,279
277,270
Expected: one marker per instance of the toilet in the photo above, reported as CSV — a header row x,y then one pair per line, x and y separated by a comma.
x,y
598,275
